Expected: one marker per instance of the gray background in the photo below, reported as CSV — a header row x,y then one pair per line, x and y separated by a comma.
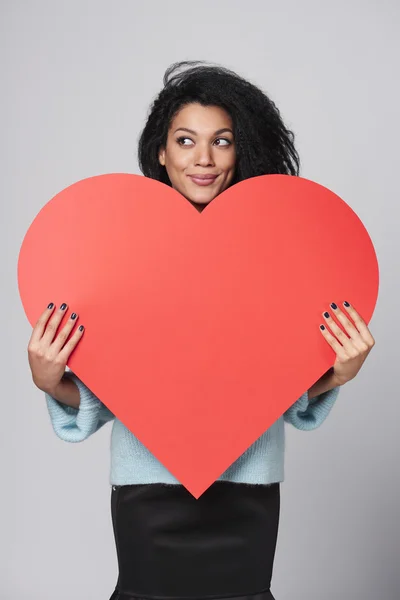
x,y
77,79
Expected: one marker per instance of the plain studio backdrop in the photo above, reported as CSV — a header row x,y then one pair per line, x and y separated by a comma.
x,y
77,80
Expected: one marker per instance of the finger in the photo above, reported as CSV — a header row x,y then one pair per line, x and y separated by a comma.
x,y
332,341
41,323
360,324
338,332
63,335
345,321
52,325
71,344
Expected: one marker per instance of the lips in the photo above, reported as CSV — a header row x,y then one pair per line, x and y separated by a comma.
x,y
203,179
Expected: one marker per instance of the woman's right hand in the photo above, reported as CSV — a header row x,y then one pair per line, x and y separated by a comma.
x,y
48,351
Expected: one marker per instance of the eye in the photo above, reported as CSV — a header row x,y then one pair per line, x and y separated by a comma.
x,y
181,140
228,142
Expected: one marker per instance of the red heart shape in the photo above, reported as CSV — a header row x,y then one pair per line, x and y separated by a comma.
x,y
201,328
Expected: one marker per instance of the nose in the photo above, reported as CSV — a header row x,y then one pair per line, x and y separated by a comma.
x,y
204,155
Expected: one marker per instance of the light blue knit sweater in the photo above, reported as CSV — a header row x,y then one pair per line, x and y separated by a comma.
x,y
131,462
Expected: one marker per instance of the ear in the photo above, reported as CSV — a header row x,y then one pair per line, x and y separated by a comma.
x,y
161,156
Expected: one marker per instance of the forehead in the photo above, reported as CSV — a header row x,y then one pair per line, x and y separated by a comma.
x,y
201,118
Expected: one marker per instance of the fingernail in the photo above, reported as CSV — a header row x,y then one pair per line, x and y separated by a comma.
x,y
333,305
73,316
326,314
63,306
346,303
322,326
50,305
81,328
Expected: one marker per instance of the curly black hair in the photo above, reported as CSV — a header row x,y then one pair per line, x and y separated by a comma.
x,y
263,144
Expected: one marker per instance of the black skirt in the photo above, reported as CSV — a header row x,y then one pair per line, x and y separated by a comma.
x,y
170,545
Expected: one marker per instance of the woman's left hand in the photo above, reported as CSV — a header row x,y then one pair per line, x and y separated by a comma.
x,y
351,349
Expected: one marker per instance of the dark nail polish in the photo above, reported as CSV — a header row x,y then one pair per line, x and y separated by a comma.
x,y
326,314
322,327
73,316
50,305
63,306
346,303
333,305
81,328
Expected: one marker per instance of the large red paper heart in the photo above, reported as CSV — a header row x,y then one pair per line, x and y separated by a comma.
x,y
201,328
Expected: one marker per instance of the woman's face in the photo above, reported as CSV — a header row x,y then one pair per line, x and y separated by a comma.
x,y
200,153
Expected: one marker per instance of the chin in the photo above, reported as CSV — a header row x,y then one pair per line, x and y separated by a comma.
x,y
198,200
203,198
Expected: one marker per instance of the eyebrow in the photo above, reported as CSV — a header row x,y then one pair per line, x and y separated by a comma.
x,y
194,133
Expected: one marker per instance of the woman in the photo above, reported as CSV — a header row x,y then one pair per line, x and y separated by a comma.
x,y
207,129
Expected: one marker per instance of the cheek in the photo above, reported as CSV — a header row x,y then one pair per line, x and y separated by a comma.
x,y
176,161
230,162
230,157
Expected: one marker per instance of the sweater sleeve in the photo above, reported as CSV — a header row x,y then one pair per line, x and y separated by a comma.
x,y
307,414
77,424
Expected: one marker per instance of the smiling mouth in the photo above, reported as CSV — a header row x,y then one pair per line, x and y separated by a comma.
x,y
203,179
